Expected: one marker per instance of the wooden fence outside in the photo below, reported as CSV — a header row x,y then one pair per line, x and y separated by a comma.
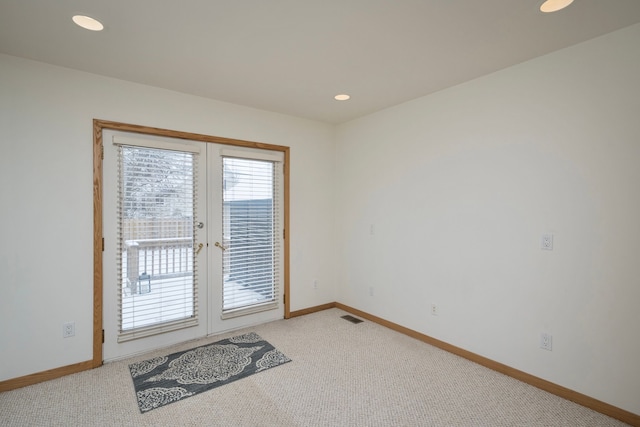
x,y
151,228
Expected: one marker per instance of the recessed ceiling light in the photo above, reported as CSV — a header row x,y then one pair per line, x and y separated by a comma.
x,y
554,5
341,97
88,23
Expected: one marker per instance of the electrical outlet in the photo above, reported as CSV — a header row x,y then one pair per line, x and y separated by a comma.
x,y
434,310
370,291
546,341
68,329
315,284
547,242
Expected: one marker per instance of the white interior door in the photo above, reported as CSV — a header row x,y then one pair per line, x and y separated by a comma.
x,y
193,240
245,237
155,283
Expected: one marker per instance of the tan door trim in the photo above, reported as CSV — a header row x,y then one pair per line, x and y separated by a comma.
x,y
98,238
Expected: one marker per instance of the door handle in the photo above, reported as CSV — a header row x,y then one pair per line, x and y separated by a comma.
x,y
220,246
199,248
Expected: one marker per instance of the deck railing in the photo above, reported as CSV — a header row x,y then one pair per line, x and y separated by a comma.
x,y
155,258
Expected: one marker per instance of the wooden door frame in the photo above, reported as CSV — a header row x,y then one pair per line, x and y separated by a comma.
x,y
98,237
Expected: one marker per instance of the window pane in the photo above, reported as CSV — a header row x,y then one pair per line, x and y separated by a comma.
x,y
249,225
156,236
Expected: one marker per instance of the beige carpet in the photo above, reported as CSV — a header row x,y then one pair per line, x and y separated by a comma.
x,y
341,374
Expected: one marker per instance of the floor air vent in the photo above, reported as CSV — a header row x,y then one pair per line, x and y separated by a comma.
x,y
352,319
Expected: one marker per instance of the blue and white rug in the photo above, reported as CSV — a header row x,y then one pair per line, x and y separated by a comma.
x,y
163,380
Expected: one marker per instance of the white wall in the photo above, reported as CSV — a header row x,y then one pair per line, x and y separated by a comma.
x,y
46,173
460,186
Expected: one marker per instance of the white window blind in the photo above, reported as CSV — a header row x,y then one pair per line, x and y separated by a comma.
x,y
251,234
157,195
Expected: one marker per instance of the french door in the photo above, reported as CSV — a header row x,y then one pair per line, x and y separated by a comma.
x,y
193,240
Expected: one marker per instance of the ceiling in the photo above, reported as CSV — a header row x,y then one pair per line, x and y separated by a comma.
x,y
293,56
